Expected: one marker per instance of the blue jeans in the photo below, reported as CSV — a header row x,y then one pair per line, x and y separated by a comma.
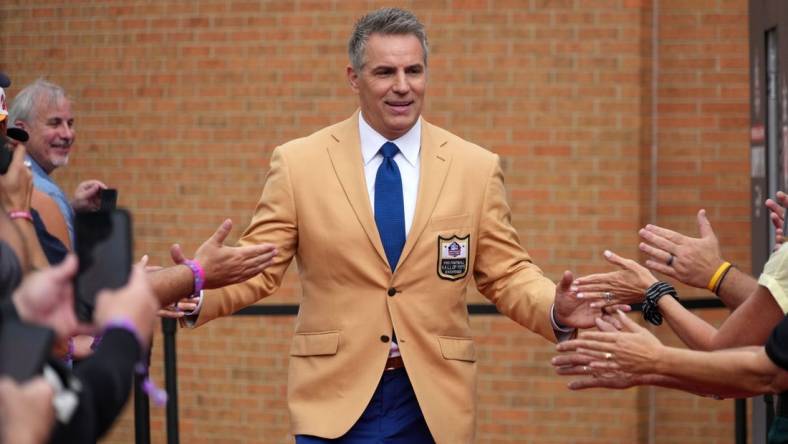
x,y
393,416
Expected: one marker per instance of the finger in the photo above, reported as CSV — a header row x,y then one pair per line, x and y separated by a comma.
x,y
570,359
594,281
595,336
67,269
662,268
611,320
782,199
573,370
668,235
628,324
604,325
176,254
604,365
655,253
18,157
169,314
777,221
584,383
186,306
615,259
221,233
143,262
649,235
566,282
704,226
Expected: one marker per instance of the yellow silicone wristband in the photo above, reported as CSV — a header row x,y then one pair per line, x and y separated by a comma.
x,y
715,279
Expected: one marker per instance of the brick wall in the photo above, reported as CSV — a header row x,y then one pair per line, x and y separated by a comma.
x,y
179,104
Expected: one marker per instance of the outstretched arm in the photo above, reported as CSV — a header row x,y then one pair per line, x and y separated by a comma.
x,y
694,261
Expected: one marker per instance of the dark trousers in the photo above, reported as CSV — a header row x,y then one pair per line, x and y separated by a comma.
x,y
393,416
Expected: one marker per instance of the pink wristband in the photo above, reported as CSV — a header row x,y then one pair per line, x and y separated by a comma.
x,y
199,275
16,214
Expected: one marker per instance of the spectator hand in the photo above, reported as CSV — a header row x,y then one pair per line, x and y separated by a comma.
x,y
135,302
46,298
26,412
179,309
633,350
625,286
87,197
224,265
690,260
16,185
777,216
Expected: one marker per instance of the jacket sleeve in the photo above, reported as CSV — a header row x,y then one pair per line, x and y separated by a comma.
x,y
274,222
503,270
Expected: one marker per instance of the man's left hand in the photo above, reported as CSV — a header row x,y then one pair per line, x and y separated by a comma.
x,y
87,195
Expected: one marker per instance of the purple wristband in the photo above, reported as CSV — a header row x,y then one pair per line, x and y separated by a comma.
x,y
125,324
199,275
156,394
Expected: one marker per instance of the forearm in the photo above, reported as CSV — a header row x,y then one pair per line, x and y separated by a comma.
x,y
38,259
171,284
735,287
705,390
743,370
696,333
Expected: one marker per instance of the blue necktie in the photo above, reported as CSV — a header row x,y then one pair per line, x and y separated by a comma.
x,y
389,206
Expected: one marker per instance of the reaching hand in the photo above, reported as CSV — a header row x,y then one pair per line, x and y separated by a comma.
x,y
135,302
225,265
16,185
46,298
633,350
777,216
625,286
690,260
26,412
179,309
87,197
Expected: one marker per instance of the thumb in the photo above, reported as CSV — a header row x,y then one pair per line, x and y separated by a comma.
x,y
67,269
221,233
177,254
19,154
704,226
566,281
629,324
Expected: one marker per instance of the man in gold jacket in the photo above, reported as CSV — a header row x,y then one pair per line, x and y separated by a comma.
x,y
390,218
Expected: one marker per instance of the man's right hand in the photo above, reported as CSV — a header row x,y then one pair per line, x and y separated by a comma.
x,y
776,208
225,265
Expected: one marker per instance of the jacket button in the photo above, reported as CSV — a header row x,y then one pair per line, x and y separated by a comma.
x,y
384,338
392,291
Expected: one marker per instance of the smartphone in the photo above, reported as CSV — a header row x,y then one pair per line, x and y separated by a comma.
x,y
24,349
5,156
104,249
109,199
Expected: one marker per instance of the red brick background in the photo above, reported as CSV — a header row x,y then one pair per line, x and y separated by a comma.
x,y
179,104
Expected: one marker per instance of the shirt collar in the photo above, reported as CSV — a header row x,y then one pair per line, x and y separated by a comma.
x,y
371,141
36,169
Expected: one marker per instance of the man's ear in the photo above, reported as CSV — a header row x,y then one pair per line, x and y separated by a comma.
x,y
352,77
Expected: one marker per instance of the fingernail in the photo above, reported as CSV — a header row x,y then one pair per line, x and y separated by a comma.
x,y
573,288
596,304
607,253
581,295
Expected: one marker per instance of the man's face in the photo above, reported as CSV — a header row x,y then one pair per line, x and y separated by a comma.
x,y
51,132
391,83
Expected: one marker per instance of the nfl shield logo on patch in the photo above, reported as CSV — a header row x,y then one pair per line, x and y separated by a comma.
x,y
453,257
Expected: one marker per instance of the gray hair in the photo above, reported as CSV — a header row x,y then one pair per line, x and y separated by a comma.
x,y
26,102
386,21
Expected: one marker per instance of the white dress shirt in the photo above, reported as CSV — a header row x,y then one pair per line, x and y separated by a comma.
x,y
407,161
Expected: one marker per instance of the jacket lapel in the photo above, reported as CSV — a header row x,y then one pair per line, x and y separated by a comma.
x,y
344,149
435,161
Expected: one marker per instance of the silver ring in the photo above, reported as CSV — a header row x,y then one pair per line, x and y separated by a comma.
x,y
27,163
670,260
608,296
608,356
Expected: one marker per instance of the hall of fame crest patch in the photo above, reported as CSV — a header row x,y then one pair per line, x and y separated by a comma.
x,y
453,257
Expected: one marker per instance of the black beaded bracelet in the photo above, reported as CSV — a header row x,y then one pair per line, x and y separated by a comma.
x,y
651,312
